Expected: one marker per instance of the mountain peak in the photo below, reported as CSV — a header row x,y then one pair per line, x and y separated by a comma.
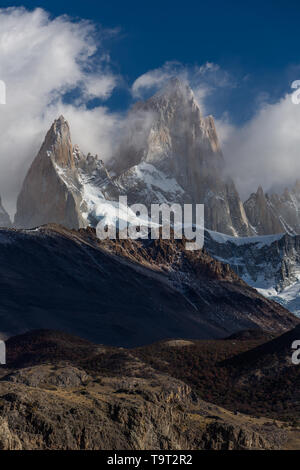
x,y
260,192
60,127
176,84
58,143
174,89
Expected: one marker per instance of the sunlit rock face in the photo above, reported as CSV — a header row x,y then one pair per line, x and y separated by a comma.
x,y
51,190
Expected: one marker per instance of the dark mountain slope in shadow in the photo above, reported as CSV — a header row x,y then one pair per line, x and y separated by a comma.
x,y
124,294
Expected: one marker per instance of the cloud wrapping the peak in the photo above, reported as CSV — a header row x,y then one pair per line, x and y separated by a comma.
x,y
42,62
204,80
266,150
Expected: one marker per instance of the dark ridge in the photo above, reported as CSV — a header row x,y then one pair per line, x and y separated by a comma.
x,y
124,292
254,334
278,347
40,346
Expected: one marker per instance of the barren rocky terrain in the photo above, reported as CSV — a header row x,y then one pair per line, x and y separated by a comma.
x,y
61,392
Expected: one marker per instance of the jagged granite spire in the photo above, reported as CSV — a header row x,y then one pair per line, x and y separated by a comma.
x,y
275,213
51,189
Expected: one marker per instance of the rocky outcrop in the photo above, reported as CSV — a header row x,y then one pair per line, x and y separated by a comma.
x,y
4,217
224,436
8,440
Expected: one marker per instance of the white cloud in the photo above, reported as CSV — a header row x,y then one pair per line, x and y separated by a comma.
x,y
204,80
42,59
266,150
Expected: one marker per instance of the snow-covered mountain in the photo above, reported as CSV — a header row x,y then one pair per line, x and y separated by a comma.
x,y
169,153
270,263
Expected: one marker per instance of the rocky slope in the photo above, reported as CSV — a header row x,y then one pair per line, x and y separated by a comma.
x,y
4,217
60,392
268,263
250,372
123,293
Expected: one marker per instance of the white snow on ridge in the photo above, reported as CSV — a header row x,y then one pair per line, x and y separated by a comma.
x,y
288,297
111,213
260,240
153,177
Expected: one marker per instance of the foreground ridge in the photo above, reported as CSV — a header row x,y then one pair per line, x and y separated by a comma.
x,y
61,392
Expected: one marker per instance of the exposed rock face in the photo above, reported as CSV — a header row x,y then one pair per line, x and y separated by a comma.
x,y
51,190
8,440
275,213
4,217
124,293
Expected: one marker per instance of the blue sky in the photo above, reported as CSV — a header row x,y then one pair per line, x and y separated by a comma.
x,y
257,42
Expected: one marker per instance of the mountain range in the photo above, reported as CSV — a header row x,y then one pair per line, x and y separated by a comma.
x,y
169,153
179,349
